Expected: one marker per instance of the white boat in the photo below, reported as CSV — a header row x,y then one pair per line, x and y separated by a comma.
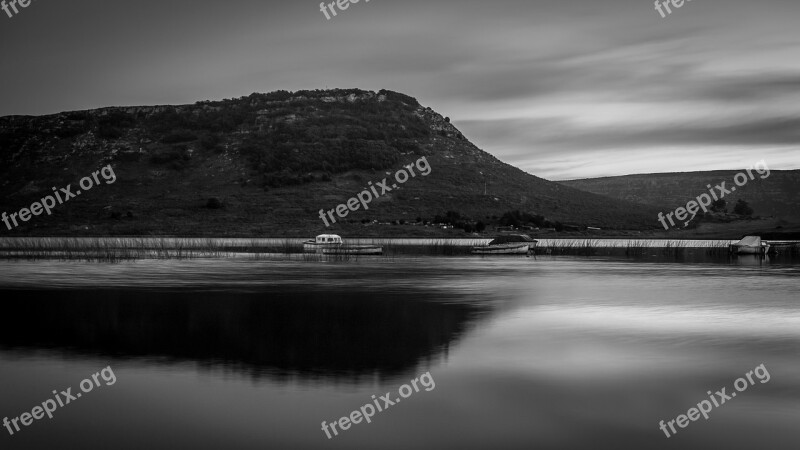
x,y
512,244
750,245
332,244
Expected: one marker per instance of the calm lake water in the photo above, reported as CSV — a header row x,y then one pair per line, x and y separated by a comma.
x,y
526,353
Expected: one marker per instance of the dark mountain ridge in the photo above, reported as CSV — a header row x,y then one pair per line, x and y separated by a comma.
x,y
270,162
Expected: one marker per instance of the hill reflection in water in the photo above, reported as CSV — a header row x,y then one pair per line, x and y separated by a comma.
x,y
310,334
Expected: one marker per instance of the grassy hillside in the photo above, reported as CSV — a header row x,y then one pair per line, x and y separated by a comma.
x,y
777,195
271,162
775,200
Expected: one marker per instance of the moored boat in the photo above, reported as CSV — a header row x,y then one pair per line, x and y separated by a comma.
x,y
511,244
750,245
332,244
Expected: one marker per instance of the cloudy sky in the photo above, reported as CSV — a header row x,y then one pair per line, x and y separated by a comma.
x,y
560,88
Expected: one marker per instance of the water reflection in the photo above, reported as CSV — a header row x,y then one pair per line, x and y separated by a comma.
x,y
344,336
556,353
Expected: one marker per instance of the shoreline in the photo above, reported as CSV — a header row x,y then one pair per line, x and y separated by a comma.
x,y
136,248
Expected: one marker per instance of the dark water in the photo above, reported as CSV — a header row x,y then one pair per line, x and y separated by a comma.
x,y
525,353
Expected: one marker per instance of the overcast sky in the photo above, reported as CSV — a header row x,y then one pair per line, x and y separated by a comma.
x,y
562,89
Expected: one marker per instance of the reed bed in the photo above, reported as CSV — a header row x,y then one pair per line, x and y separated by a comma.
x,y
718,249
136,248
578,247
431,247
790,249
630,248
133,248
110,249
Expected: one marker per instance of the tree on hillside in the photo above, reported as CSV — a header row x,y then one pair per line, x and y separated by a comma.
x,y
518,219
742,208
720,206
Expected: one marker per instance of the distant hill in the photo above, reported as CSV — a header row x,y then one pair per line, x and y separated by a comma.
x,y
271,162
777,196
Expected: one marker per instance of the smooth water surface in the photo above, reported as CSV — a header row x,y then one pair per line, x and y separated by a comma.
x,y
550,353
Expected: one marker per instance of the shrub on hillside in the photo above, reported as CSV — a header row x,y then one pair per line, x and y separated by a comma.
x,y
176,158
176,137
209,141
214,203
117,119
109,132
518,219
71,129
742,208
719,206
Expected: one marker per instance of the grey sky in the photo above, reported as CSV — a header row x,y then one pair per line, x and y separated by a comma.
x,y
562,89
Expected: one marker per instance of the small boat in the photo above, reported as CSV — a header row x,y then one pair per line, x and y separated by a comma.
x,y
510,244
332,244
750,245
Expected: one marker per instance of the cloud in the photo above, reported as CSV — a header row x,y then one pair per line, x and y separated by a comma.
x,y
578,84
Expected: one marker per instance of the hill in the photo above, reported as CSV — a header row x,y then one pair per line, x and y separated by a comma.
x,y
265,164
774,197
